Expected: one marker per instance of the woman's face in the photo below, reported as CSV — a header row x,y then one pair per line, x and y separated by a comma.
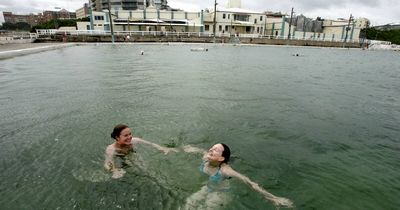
x,y
215,153
125,137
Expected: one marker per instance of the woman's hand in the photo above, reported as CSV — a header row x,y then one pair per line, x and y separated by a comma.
x,y
108,166
284,202
167,150
118,173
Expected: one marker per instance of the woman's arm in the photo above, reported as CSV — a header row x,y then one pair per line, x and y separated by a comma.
x,y
166,150
110,165
191,149
278,201
109,162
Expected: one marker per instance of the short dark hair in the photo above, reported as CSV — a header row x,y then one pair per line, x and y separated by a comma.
x,y
226,153
117,130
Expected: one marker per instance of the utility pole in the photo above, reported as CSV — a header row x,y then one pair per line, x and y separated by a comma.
x,y
215,18
91,16
56,14
265,26
365,40
348,29
111,25
290,23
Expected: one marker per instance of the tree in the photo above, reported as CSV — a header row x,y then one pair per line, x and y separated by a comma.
x,y
53,23
20,26
389,35
23,26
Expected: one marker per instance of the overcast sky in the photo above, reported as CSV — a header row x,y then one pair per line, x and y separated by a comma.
x,y
377,11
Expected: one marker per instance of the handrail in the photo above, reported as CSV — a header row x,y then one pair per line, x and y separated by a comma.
x,y
47,32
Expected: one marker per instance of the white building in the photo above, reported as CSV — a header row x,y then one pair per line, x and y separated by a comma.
x,y
341,29
149,19
276,25
97,21
153,19
228,22
235,21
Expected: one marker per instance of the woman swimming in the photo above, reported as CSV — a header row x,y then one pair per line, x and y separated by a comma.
x,y
115,157
215,164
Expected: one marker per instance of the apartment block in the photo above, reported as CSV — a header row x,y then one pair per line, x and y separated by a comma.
x,y
31,19
100,5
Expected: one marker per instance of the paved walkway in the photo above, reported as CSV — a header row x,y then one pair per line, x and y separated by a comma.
x,y
10,47
12,50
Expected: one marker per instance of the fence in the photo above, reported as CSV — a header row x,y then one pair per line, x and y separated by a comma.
x,y
17,37
48,32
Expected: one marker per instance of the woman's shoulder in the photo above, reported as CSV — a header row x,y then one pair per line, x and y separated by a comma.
x,y
225,165
110,149
226,169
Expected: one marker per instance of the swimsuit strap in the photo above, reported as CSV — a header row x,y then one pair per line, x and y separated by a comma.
x,y
217,176
201,167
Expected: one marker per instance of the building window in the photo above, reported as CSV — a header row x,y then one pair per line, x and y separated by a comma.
x,y
223,16
258,30
245,18
229,16
220,28
261,18
99,17
255,21
226,28
207,27
248,29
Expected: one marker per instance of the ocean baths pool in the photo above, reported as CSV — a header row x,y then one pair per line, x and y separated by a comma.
x,y
321,128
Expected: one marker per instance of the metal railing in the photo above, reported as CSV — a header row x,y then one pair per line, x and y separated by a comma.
x,y
47,32
17,35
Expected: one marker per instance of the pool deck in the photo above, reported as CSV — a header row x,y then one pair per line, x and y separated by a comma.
x,y
11,50
13,46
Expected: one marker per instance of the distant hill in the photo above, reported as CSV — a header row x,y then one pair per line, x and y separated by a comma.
x,y
391,35
387,27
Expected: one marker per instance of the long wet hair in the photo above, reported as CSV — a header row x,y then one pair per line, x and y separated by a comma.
x,y
226,153
117,130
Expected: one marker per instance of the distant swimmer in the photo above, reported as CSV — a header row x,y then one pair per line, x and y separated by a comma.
x,y
297,55
215,193
198,49
142,52
115,157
